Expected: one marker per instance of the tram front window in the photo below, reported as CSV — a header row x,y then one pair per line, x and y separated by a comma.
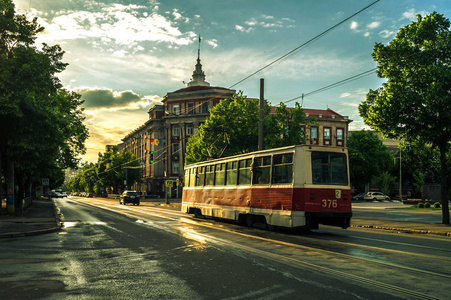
x,y
329,168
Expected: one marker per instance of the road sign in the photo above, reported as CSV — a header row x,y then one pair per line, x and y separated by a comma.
x,y
45,181
169,183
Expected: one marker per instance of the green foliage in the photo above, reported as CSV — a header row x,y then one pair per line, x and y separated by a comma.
x,y
232,128
415,103
427,205
437,205
42,124
385,182
110,171
416,159
368,157
420,205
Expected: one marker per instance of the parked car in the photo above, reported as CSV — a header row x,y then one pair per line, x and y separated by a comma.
x,y
129,197
54,194
376,196
358,197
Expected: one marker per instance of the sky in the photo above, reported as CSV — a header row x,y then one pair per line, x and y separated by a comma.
x,y
124,56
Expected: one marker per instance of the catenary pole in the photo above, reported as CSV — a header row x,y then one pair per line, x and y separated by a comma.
x,y
261,114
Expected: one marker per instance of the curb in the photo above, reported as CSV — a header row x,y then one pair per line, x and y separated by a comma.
x,y
58,227
29,233
405,230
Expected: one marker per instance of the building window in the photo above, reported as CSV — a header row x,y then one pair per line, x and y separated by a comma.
x,y
314,135
205,107
175,148
314,132
340,137
175,130
177,109
303,132
189,129
339,133
326,135
175,167
190,108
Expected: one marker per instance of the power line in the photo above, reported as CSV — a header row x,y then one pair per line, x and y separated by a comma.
x,y
338,83
306,43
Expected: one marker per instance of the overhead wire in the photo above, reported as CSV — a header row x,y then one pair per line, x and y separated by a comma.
x,y
338,83
168,145
304,44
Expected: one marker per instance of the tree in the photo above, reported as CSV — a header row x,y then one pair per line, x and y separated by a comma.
x,y
416,159
110,171
385,182
368,157
42,124
415,102
232,128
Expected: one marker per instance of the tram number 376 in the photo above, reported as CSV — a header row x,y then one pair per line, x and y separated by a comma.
x,y
327,203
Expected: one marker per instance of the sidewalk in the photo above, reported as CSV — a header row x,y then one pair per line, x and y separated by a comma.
x,y
42,217
394,225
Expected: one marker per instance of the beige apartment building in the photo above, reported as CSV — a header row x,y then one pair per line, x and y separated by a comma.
x,y
160,143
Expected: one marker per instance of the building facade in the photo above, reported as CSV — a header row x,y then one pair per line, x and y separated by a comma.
x,y
160,143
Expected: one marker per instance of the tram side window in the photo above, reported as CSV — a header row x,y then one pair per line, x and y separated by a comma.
x,y
283,168
210,175
329,168
262,170
220,174
200,176
232,172
244,174
192,177
187,177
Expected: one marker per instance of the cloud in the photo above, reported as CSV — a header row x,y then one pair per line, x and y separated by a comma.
x,y
121,24
108,99
107,130
242,29
387,33
213,43
411,14
345,95
373,25
354,25
265,21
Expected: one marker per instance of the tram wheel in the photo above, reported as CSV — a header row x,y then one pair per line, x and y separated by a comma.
x,y
197,213
249,221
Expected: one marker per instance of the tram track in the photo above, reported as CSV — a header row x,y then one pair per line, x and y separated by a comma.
x,y
142,211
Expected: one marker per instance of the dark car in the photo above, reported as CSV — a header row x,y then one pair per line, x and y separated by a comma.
x,y
129,197
358,197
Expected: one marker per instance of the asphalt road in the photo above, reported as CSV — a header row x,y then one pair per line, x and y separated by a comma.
x,y
143,252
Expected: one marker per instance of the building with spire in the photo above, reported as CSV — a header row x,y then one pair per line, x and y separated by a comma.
x,y
160,143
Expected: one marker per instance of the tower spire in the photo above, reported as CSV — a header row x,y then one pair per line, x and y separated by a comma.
x,y
198,50
198,74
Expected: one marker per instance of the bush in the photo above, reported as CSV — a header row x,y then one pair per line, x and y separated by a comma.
x,y
427,205
437,205
420,205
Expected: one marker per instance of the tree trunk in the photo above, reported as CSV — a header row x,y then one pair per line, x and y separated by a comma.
x,y
10,186
1,183
444,194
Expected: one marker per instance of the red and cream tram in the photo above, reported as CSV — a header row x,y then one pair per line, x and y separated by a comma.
x,y
296,186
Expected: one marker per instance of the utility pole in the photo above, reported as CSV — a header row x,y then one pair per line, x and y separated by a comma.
x,y
261,114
